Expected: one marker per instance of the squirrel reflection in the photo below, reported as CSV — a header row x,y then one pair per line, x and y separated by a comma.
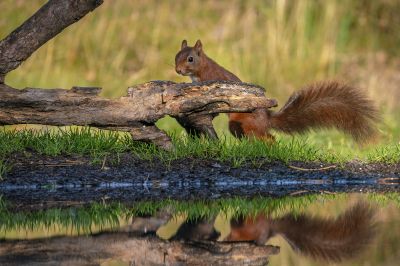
x,y
197,230
329,239
194,230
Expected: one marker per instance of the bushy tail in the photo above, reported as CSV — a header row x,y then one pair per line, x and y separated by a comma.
x,y
329,239
326,105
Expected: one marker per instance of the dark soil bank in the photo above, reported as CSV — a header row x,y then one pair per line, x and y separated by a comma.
x,y
44,181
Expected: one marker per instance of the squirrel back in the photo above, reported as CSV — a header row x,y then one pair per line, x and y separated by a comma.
x,y
327,104
321,238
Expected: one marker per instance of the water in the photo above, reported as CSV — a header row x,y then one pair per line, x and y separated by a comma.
x,y
131,189
346,229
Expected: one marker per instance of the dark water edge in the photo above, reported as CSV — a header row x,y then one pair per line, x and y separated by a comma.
x,y
57,181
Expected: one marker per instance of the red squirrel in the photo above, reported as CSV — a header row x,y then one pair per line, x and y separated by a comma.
x,y
326,239
322,105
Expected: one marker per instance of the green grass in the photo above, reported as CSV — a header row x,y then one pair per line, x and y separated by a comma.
x,y
84,141
99,143
387,154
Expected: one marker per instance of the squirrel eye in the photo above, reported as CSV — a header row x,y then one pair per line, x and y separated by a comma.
x,y
190,59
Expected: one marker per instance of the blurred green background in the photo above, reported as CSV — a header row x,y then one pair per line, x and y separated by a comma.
x,y
280,45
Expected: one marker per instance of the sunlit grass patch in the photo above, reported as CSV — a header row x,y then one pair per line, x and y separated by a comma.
x,y
386,154
99,143
249,150
71,140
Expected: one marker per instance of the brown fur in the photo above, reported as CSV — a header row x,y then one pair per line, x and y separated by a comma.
x,y
326,105
202,68
321,238
321,105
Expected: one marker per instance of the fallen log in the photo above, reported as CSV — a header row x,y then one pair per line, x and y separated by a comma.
x,y
135,113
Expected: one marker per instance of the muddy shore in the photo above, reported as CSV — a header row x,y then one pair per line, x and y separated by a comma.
x,y
44,181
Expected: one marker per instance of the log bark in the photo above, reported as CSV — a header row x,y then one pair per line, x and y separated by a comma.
x,y
147,250
46,23
136,113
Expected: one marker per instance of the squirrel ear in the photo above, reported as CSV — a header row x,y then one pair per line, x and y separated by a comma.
x,y
198,46
184,44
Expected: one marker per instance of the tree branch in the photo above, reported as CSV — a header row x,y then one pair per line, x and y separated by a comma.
x,y
46,23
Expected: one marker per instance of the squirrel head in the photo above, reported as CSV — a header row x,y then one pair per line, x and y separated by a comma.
x,y
188,59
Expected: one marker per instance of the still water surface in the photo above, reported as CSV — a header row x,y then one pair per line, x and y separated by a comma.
x,y
351,229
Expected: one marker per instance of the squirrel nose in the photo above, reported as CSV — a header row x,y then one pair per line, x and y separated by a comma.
x,y
178,71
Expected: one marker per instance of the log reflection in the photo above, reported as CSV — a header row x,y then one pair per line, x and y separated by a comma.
x,y
197,242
